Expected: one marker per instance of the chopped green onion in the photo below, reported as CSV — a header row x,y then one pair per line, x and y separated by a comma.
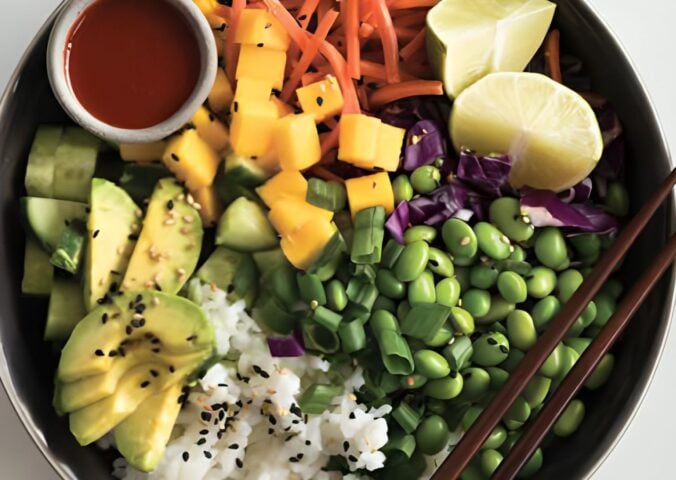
x,y
329,195
282,283
389,383
407,417
331,257
311,289
369,232
459,352
395,352
424,320
391,253
317,398
372,389
364,272
399,446
320,338
352,336
336,297
269,313
362,302
343,221
383,320
326,318
69,251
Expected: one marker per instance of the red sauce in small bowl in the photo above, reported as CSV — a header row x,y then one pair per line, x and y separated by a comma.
x,y
132,64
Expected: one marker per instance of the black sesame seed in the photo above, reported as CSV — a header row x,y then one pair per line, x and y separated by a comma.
x,y
155,350
207,454
145,384
504,349
288,438
308,442
270,431
112,353
259,45
272,420
154,373
219,434
235,106
295,422
99,353
352,458
320,101
140,308
191,338
201,441
113,287
300,456
239,403
233,446
302,17
96,233
224,385
239,463
186,456
287,428
171,369
121,351
88,210
295,409
170,205
352,416
132,236
175,158
135,323
204,432
491,341
142,322
346,446
221,415
104,318
155,341
293,460
221,28
115,272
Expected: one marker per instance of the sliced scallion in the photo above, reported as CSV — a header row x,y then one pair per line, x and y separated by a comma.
x,y
317,398
352,336
311,289
326,318
424,320
407,417
369,231
317,337
459,352
271,313
329,195
391,253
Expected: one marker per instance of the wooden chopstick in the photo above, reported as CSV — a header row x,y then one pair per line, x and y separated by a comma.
x,y
554,406
471,442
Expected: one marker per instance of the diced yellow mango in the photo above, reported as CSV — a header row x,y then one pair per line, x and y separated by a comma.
x,y
219,38
211,129
297,142
304,246
370,191
207,9
261,63
285,184
192,160
252,90
323,99
259,27
288,214
283,109
210,203
220,96
252,128
142,152
390,143
358,140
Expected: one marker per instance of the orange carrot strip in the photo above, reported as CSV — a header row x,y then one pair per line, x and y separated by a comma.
x,y
414,46
311,77
329,141
231,49
223,11
365,10
366,30
293,4
337,41
408,18
363,97
404,4
553,55
393,92
303,15
349,9
309,53
331,122
324,174
377,70
388,37
257,5
323,7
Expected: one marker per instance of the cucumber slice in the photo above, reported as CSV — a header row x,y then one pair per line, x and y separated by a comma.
x,y
39,179
47,218
66,308
238,176
74,164
244,227
139,180
68,253
37,271
268,260
234,272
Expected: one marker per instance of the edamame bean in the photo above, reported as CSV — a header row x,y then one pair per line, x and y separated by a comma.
x,y
448,292
431,364
473,472
425,179
515,356
462,275
605,308
432,435
437,406
505,213
533,465
490,349
402,189
519,412
569,282
476,383
483,276
544,310
413,381
500,309
442,337
440,263
470,417
459,238
613,287
477,302
389,285
601,373
462,321
550,247
464,261
403,308
336,298
617,199
536,391
497,327
412,261
518,255
391,253
420,232
552,365
570,419
422,289
490,461
541,282
492,241
512,287
445,388
499,377
576,329
495,439
521,330
569,359
384,303
586,244
589,314
579,344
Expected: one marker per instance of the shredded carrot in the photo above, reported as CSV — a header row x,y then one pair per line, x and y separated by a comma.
x,y
339,66
552,55
349,9
303,16
311,77
405,4
293,4
331,122
223,11
397,91
231,49
338,41
323,7
365,10
408,18
256,5
297,34
377,71
309,53
329,140
388,37
412,47
363,96
324,174
366,30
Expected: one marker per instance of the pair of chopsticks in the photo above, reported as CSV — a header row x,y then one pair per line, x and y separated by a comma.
x,y
471,442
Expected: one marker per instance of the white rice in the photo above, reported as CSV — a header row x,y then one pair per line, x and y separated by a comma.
x,y
242,421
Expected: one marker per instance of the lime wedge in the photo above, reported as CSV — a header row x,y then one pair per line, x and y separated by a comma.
x,y
549,131
467,39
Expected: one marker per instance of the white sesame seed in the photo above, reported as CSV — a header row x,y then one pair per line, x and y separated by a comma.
x,y
180,197
188,219
189,198
155,301
197,206
138,213
149,284
137,316
169,221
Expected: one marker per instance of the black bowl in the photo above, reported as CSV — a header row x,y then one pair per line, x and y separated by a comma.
x,y
27,363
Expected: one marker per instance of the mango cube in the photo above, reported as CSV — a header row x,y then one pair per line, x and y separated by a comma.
x,y
252,128
286,183
324,99
259,27
283,109
297,142
212,206
390,143
261,63
211,129
252,90
192,160
207,9
370,191
142,152
358,140
304,246
220,96
290,213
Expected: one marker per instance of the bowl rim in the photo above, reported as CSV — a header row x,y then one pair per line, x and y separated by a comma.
x,y
627,418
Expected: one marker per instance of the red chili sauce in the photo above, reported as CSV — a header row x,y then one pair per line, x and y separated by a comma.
x,y
132,64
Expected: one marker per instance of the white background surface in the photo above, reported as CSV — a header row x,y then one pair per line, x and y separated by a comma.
x,y
646,29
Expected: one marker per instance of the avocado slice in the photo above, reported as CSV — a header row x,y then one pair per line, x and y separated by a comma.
x,y
113,222
37,271
48,218
143,436
233,272
66,308
244,227
168,249
177,326
39,179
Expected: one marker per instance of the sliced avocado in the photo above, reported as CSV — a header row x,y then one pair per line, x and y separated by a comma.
x,y
168,249
68,252
39,179
48,218
74,164
112,225
176,325
244,227
66,308
143,436
139,179
37,271
267,260
233,272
